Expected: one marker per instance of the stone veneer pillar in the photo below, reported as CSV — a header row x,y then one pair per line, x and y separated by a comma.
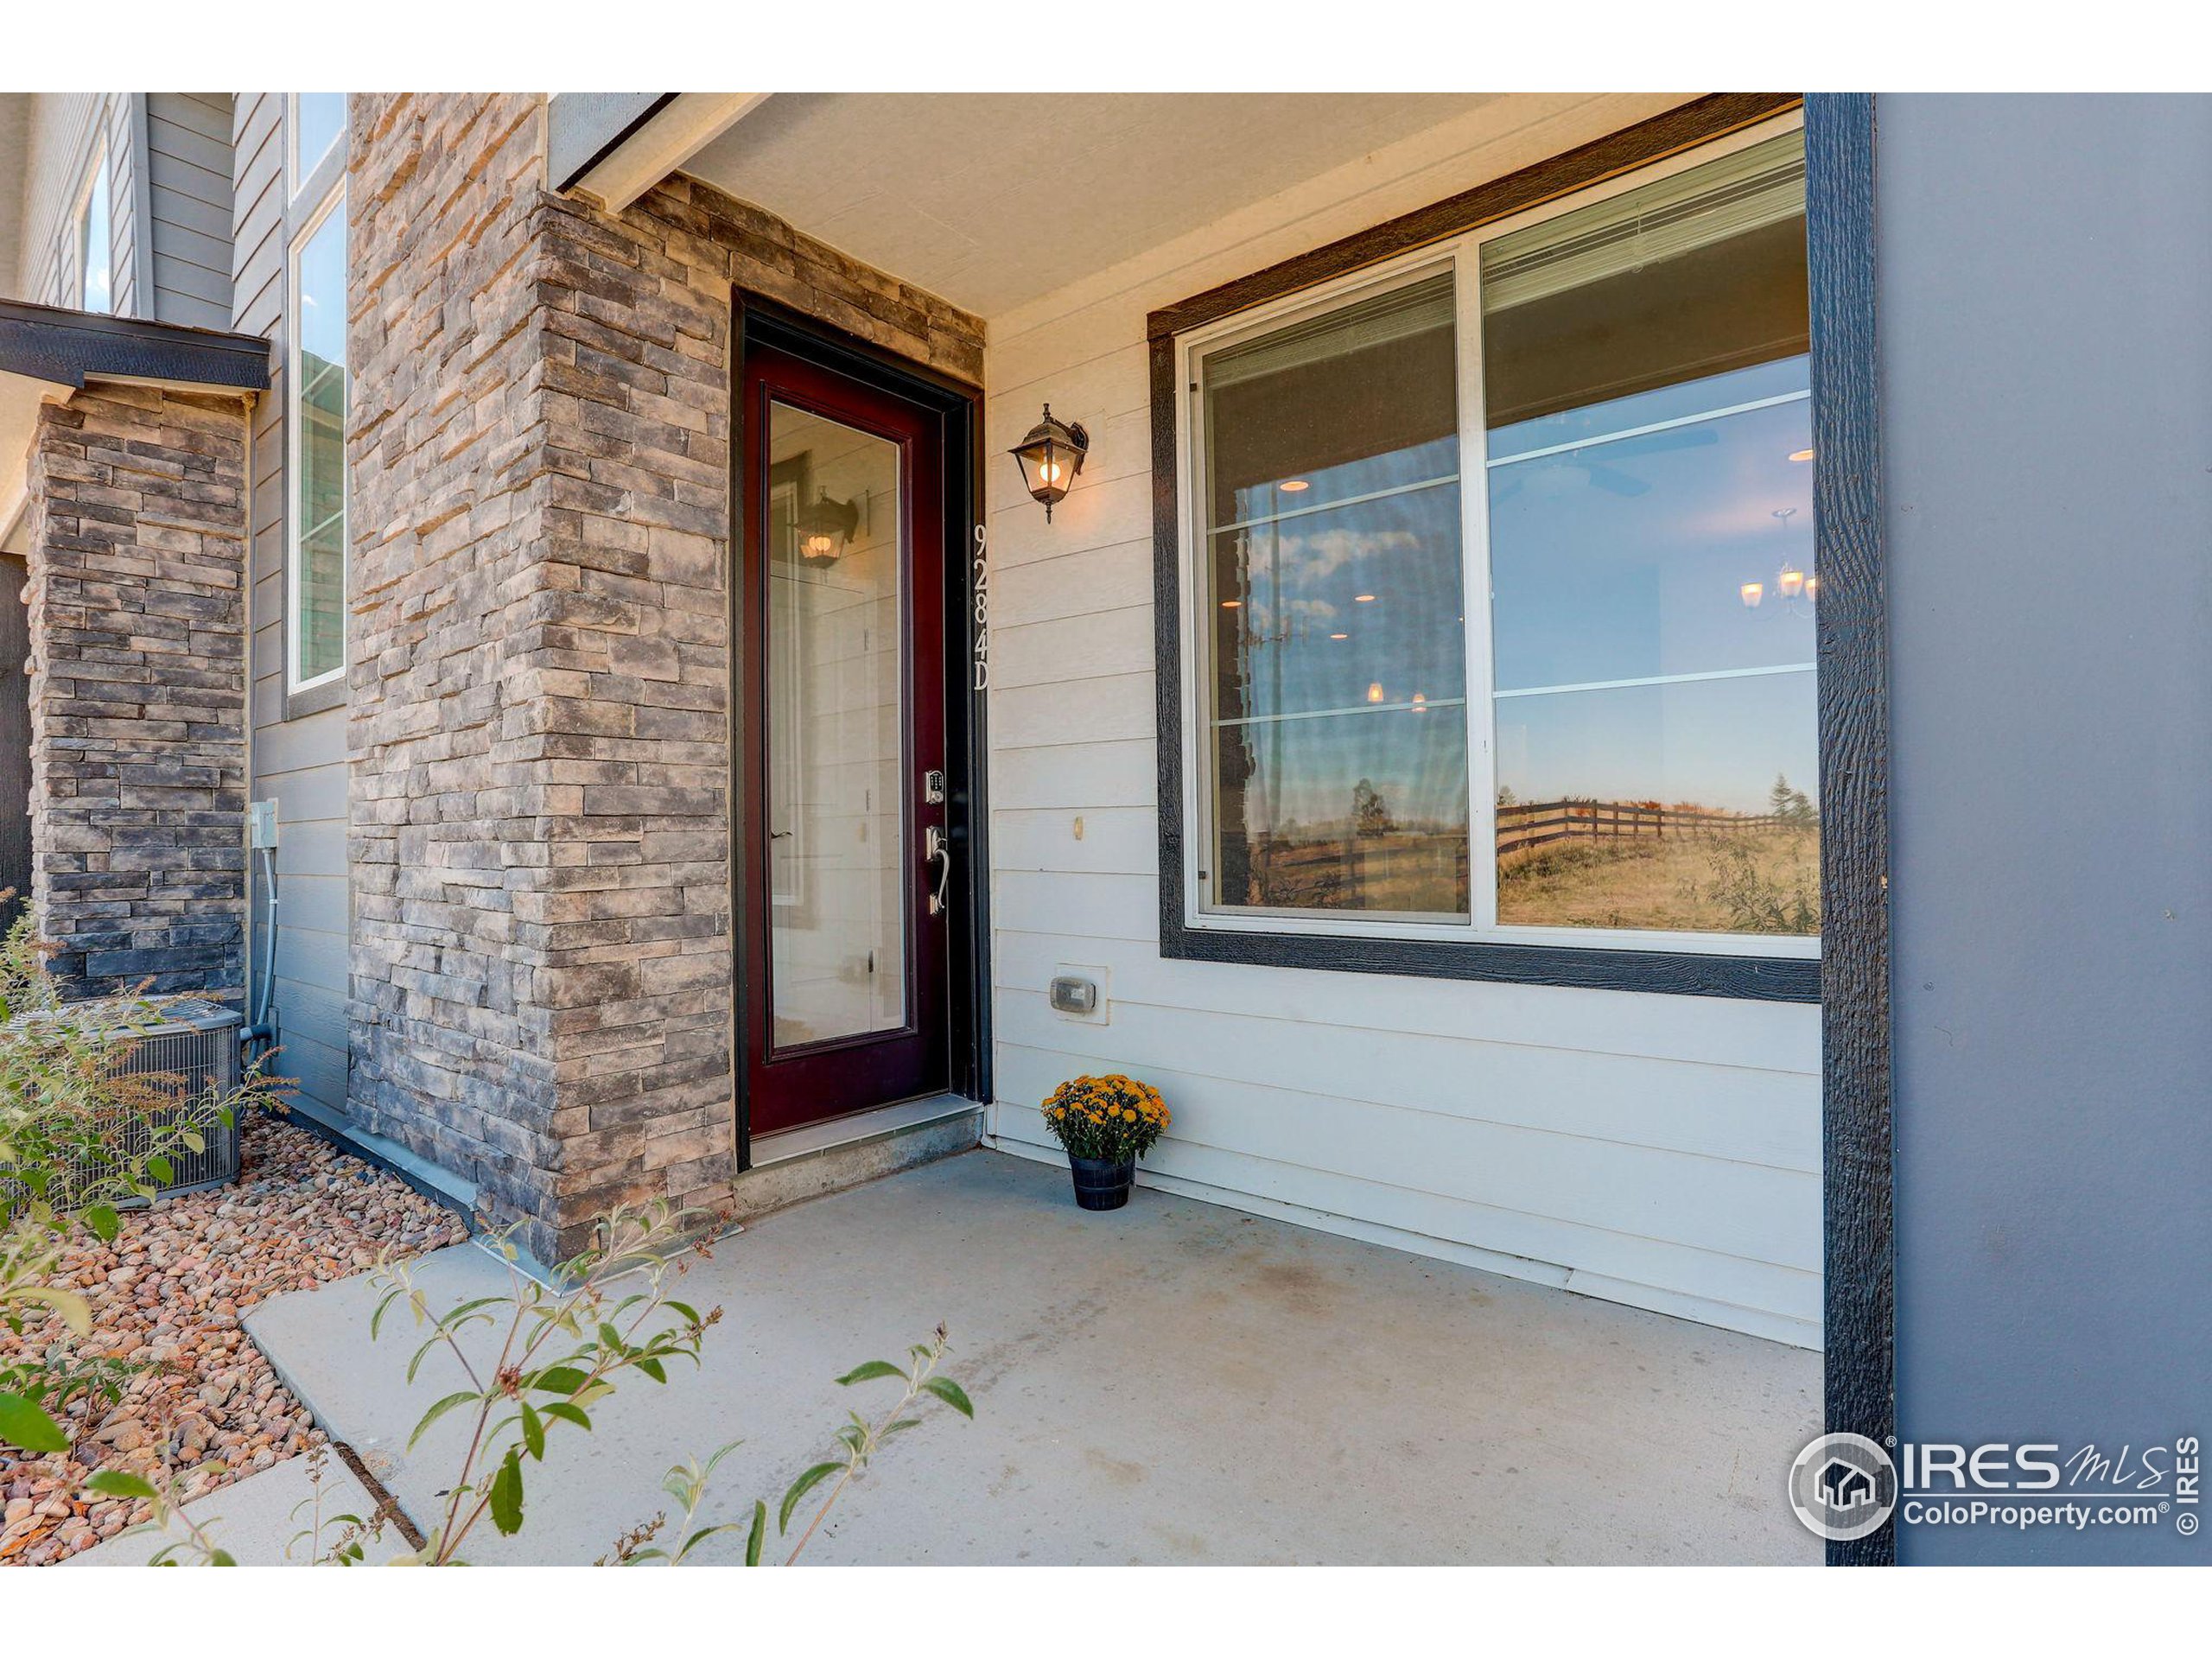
x,y
538,727
136,598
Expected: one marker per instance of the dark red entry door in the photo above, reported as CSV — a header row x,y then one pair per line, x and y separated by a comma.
x,y
841,688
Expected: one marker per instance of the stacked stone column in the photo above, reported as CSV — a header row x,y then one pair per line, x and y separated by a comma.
x,y
539,700
136,596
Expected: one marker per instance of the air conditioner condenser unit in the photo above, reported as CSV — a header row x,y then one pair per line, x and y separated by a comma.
x,y
190,1041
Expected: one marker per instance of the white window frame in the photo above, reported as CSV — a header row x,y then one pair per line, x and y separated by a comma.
x,y
1462,256
78,228
295,536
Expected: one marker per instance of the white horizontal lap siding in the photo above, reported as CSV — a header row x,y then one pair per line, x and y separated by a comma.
x,y
1659,1151
300,764
66,129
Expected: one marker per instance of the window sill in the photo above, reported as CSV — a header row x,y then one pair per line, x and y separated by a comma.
x,y
1660,972
314,699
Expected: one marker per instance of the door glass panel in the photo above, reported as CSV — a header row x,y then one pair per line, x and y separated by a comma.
x,y
838,863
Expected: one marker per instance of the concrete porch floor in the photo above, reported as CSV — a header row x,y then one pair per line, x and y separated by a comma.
x,y
1172,1383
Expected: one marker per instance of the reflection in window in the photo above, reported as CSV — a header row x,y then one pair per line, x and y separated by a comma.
x,y
95,259
318,118
1335,702
317,413
836,754
1648,405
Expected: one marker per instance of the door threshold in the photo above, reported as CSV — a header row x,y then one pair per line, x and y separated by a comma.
x,y
875,1124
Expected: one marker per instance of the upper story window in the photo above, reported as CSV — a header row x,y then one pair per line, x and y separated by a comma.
x,y
93,234
318,121
1498,582
315,405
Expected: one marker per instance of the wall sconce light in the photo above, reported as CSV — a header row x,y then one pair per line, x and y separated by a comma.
x,y
823,528
1051,456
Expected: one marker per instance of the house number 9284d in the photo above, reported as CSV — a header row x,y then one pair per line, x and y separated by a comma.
x,y
983,589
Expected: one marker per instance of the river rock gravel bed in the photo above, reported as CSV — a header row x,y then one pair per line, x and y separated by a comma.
x,y
168,1295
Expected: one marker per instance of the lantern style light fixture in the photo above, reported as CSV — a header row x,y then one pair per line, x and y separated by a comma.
x,y
824,528
1051,456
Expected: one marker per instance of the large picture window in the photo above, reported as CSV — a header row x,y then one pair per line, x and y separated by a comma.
x,y
1499,581
316,418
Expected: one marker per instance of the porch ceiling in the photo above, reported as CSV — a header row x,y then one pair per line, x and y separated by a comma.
x,y
992,199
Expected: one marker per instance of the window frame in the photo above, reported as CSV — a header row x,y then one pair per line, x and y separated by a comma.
x,y
327,688
1780,968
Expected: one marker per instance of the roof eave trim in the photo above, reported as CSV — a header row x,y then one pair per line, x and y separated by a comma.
x,y
66,347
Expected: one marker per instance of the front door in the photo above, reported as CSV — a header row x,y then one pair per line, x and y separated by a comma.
x,y
842,695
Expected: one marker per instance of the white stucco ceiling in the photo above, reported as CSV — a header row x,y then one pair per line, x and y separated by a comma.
x,y
992,199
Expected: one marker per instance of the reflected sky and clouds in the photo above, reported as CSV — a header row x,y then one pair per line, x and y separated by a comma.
x,y
319,481
1626,560
1338,644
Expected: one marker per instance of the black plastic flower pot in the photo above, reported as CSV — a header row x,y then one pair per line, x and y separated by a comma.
x,y
1102,1182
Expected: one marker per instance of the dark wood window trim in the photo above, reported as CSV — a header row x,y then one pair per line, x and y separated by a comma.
x,y
1858,1160
1776,979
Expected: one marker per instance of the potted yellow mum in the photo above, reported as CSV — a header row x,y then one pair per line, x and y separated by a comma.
x,y
1106,1124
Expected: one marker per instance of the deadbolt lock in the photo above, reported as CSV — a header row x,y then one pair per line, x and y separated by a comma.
x,y
933,789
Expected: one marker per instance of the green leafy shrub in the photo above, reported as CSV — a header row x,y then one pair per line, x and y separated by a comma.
x,y
561,1351
80,1137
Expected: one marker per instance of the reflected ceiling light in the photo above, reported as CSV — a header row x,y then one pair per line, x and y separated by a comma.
x,y
1421,703
1800,455
1051,456
824,530
1340,636
1232,604
1363,599
1375,692
1794,586
1293,485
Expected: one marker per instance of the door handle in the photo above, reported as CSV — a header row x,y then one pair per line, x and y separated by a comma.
x,y
937,851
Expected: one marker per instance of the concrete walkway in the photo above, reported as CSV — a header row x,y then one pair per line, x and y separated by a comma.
x,y
1174,1382
259,1518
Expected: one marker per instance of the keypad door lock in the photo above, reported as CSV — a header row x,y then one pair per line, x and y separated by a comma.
x,y
933,789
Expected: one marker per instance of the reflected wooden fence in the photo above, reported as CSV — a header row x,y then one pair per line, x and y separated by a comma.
x,y
1527,825
1424,869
